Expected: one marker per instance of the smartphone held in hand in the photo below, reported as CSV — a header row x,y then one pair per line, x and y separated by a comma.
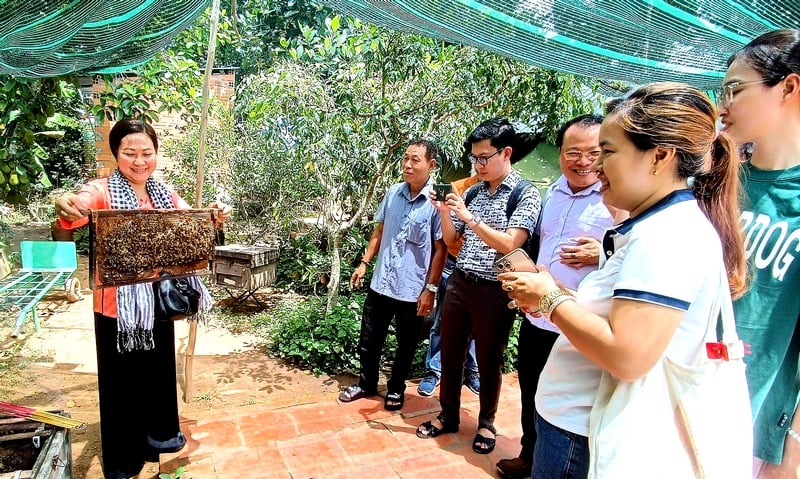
x,y
442,190
517,260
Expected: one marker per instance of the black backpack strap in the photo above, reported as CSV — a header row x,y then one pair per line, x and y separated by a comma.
x,y
516,194
471,193
513,199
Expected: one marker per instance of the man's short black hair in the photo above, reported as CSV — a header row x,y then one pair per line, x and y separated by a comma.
x,y
499,131
584,121
431,150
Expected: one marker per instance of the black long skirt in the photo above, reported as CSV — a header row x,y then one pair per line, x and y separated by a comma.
x,y
138,399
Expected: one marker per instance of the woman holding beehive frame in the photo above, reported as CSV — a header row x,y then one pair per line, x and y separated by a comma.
x,y
136,371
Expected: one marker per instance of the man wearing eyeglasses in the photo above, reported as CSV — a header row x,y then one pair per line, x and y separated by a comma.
x,y
570,227
475,305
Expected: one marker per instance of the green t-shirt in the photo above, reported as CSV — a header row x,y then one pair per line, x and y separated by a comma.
x,y
767,315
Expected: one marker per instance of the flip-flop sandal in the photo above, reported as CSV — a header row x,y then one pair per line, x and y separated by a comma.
x,y
394,401
427,430
483,445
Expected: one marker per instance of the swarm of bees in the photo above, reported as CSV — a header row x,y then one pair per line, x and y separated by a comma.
x,y
135,246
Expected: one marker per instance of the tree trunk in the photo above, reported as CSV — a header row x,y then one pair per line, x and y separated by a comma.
x,y
336,269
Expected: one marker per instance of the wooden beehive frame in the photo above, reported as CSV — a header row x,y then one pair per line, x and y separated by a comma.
x,y
149,236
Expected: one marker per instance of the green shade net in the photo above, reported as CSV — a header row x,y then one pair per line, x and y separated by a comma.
x,y
631,41
43,38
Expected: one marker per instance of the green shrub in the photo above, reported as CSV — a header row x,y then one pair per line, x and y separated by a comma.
x,y
510,356
303,264
304,337
309,340
81,238
305,261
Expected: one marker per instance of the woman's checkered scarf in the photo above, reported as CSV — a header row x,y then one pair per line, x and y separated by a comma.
x,y
135,302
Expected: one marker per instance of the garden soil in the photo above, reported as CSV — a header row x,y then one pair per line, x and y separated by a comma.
x,y
55,369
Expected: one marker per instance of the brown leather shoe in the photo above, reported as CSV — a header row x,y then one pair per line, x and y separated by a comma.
x,y
517,468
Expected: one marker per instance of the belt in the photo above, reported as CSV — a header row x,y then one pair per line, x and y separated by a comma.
x,y
473,278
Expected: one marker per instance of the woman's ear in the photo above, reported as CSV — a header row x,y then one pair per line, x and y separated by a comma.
x,y
662,158
791,86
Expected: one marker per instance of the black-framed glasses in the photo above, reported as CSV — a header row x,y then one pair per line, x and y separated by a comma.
x,y
483,160
729,90
576,155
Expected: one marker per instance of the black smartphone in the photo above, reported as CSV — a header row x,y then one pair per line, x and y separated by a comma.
x,y
516,260
442,190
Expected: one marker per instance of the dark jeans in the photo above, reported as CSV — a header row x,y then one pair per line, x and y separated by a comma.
x,y
533,349
476,308
379,310
433,359
138,398
559,454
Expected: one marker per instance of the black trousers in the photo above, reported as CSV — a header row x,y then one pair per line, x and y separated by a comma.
x,y
473,308
533,349
138,399
378,312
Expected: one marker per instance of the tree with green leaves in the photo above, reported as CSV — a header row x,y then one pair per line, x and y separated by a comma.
x,y
350,96
25,106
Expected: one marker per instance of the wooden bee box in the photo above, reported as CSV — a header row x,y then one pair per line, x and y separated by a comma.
x,y
20,457
131,246
245,266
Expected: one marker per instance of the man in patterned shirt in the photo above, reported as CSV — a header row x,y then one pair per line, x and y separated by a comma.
x,y
475,304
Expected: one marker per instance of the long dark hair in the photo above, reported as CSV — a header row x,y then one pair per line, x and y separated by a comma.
x,y
774,55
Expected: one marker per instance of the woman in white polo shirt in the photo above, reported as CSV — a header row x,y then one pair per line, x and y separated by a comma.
x,y
660,276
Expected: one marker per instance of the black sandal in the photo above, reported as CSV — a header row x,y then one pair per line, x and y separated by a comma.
x,y
394,401
482,444
427,430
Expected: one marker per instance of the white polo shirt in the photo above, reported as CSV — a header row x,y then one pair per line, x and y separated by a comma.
x,y
668,255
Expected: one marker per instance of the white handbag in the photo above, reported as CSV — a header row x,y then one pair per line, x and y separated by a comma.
x,y
679,421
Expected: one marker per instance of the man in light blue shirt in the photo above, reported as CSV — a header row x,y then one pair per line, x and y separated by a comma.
x,y
411,253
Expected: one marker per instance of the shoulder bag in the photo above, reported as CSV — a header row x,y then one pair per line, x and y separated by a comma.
x,y
175,299
680,420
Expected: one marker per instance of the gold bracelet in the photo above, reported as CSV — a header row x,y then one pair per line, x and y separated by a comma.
x,y
793,434
557,302
552,299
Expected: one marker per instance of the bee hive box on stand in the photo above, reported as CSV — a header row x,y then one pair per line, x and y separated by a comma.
x,y
248,267
130,246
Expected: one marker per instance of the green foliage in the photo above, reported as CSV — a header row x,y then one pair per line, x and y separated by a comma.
x,y
178,474
261,24
70,148
309,339
305,261
339,110
512,350
303,264
25,106
304,336
81,238
221,141
172,81
6,234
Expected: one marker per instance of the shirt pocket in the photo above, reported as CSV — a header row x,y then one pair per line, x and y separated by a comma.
x,y
418,230
595,220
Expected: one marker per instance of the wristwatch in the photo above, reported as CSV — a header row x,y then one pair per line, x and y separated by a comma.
x,y
551,300
432,288
474,221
